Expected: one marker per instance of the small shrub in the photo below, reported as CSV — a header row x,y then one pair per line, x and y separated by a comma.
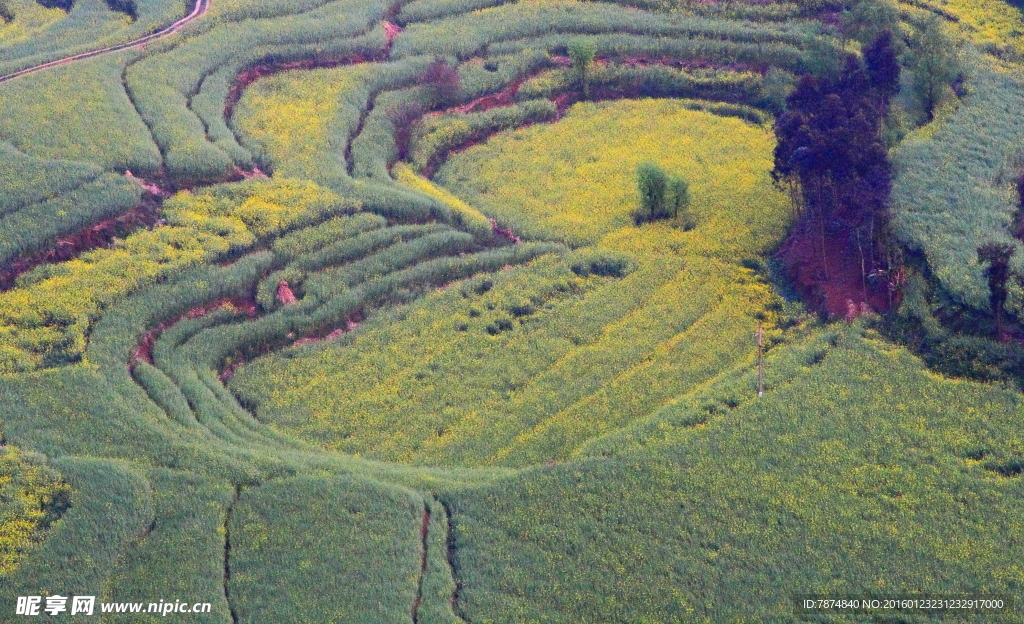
x,y
442,79
652,183
64,5
603,263
582,51
405,118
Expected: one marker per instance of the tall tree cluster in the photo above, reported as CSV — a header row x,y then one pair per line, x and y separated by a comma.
x,y
832,155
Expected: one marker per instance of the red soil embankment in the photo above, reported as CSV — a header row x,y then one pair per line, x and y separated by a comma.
x,y
826,269
98,235
562,101
253,73
144,351
103,233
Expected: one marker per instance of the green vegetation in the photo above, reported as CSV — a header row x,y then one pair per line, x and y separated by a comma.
x,y
30,180
360,392
437,136
47,319
86,544
581,53
44,31
934,63
864,446
285,543
32,498
462,36
36,226
182,551
584,191
662,196
78,112
951,190
530,364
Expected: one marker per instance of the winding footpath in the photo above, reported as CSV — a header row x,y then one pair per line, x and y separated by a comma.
x,y
200,9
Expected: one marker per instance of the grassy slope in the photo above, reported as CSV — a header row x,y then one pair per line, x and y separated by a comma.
x,y
181,556
953,186
310,536
858,478
79,112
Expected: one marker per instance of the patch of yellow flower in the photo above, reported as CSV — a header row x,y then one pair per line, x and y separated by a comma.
x,y
575,180
52,309
468,217
30,18
287,115
28,487
984,21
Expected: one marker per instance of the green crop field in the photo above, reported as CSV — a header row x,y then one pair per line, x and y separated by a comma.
x,y
481,312
537,392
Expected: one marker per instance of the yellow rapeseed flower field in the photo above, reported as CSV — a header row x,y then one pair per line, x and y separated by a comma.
x,y
288,115
557,182
533,362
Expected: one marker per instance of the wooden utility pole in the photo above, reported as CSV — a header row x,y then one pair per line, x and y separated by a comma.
x,y
760,359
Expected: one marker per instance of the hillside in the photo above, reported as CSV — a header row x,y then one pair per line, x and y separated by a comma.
x,y
536,311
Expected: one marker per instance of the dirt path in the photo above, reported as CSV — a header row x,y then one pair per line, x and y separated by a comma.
x,y
200,9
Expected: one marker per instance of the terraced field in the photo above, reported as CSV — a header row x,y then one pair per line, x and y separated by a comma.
x,y
338,311
565,346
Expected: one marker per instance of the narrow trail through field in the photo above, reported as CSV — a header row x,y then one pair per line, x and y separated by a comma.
x,y
424,533
202,6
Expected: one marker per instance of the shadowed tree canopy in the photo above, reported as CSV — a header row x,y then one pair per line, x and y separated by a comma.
x,y
883,65
997,256
442,79
831,153
829,142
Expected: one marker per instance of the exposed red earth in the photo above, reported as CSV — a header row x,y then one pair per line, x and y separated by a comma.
x,y
103,233
98,235
562,102
391,32
825,269
253,73
144,351
285,296
837,294
323,336
503,232
423,565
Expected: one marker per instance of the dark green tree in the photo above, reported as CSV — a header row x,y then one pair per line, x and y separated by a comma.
x,y
128,7
677,201
652,183
869,18
64,5
581,53
934,60
831,153
997,256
